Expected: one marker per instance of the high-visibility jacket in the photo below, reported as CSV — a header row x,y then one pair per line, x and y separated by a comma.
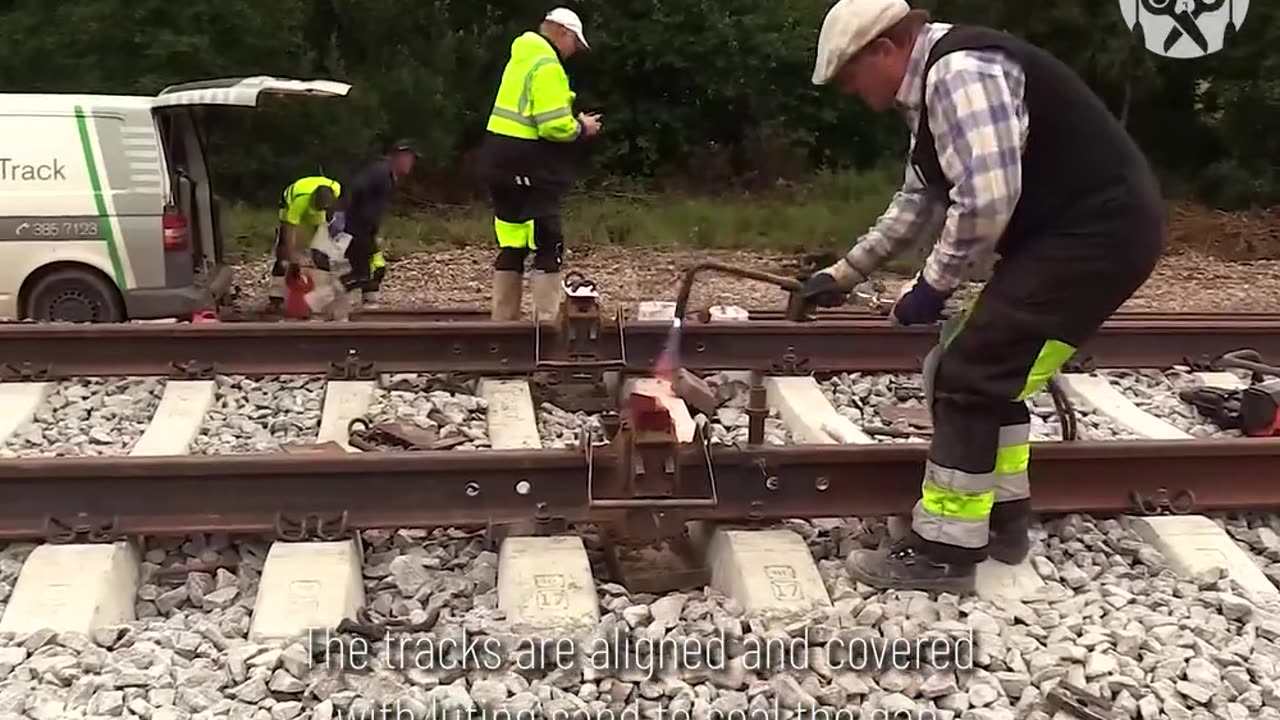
x,y
295,203
534,100
533,134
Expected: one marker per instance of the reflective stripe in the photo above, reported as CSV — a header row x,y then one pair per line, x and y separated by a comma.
x,y
949,530
514,235
1053,355
943,503
552,115
513,116
1013,486
954,506
527,90
1012,459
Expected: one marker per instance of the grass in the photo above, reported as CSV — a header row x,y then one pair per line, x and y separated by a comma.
x,y
824,215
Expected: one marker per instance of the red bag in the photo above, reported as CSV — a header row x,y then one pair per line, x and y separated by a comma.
x,y
297,285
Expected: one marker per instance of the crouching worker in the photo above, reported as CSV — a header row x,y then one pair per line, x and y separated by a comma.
x,y
1013,155
304,210
368,196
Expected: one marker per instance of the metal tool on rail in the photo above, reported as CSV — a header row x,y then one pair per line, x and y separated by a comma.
x,y
1254,410
871,294
370,437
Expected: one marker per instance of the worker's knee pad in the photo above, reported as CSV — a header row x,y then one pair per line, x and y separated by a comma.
x,y
510,260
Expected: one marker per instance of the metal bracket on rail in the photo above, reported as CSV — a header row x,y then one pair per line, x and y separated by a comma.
x,y
650,483
352,368
570,364
790,364
308,526
650,472
84,528
25,372
191,370
1182,502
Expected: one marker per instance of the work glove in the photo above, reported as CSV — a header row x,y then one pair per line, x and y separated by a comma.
x,y
829,286
921,304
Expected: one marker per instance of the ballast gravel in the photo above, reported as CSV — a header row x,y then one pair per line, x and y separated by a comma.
x,y
1111,618
1157,392
88,416
261,415
433,403
730,424
561,429
864,398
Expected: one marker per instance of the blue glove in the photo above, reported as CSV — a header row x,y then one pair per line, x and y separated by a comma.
x,y
921,305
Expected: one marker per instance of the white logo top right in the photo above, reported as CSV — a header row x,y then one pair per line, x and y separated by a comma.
x,y
1184,29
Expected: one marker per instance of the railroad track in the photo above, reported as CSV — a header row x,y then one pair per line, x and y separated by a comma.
x,y
258,519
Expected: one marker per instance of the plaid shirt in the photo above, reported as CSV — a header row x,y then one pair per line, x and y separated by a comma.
x,y
979,124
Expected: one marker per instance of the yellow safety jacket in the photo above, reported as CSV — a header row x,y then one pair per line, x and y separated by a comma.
x,y
534,101
295,203
534,138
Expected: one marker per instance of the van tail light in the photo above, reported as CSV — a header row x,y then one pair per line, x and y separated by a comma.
x,y
175,231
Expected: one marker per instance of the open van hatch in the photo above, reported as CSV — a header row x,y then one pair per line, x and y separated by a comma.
x,y
178,110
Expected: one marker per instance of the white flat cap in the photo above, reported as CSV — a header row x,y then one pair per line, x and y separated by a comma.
x,y
849,26
568,19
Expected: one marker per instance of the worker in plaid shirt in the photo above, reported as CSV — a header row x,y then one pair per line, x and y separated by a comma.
x,y
1011,155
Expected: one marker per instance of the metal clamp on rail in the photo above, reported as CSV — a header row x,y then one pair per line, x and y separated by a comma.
x,y
572,365
1182,502
307,526
654,471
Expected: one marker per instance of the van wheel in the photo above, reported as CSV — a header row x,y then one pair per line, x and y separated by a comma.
x,y
74,296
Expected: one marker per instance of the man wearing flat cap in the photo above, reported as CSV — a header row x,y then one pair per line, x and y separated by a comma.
x,y
1012,156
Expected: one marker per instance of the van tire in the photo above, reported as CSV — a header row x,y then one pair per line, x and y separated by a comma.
x,y
71,295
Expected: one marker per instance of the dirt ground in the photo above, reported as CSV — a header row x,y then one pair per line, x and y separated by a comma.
x,y
1186,281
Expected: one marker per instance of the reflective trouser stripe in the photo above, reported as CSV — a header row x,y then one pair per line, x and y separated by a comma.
x,y
514,235
377,261
954,506
1053,355
1012,459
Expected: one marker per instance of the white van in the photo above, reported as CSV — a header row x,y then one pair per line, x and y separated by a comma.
x,y
106,209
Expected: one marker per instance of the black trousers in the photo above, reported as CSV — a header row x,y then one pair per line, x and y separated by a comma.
x,y
1042,302
522,204
359,253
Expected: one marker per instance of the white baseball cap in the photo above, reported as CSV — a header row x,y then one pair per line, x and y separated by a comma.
x,y
568,19
849,26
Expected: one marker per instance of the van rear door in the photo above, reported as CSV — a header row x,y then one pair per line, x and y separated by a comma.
x,y
244,92
179,108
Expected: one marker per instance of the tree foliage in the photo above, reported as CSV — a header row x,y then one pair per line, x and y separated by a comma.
x,y
697,94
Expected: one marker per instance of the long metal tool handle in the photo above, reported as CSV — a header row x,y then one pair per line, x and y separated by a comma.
x,y
686,284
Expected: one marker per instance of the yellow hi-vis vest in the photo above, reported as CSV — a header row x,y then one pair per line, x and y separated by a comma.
x,y
295,203
534,100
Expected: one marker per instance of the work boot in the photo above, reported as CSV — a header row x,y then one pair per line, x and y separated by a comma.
x,y
548,295
1009,541
906,565
507,287
370,299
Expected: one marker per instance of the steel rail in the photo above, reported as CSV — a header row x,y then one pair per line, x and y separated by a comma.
x,y
454,314
110,497
361,350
